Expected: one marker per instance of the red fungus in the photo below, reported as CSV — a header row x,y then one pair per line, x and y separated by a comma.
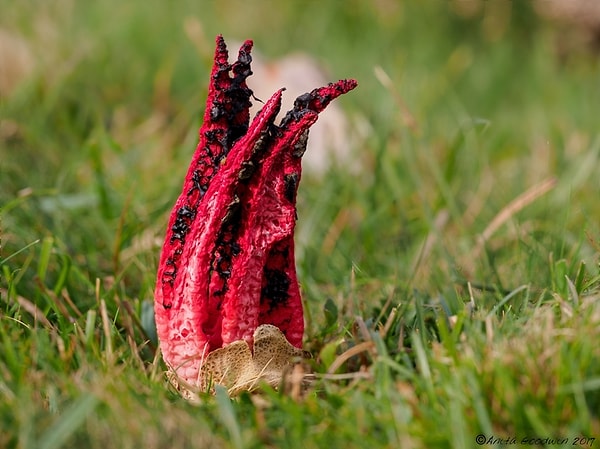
x,y
227,265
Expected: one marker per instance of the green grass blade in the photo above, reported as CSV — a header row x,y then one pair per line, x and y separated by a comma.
x,y
68,423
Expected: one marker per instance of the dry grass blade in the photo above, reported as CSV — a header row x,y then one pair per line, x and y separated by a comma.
x,y
364,330
440,222
106,329
346,376
65,295
337,226
408,118
30,308
512,208
389,322
133,320
58,302
355,350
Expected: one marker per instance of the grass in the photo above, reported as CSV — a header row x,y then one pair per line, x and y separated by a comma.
x,y
451,287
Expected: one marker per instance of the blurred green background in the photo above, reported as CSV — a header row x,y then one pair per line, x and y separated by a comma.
x,y
486,100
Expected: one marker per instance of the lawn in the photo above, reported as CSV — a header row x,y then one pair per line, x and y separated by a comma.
x,y
449,266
